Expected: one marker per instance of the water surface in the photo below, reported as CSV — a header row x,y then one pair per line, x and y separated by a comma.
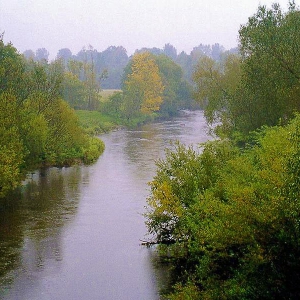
x,y
74,233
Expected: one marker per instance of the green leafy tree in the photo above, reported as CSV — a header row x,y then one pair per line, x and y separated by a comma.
x,y
11,146
261,89
176,92
218,89
269,45
74,91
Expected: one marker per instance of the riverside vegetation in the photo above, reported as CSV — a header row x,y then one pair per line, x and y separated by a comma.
x,y
37,127
226,216
50,111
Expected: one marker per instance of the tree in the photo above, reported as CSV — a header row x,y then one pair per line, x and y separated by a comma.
x,y
65,54
228,219
176,93
36,126
217,89
170,51
74,91
12,71
269,45
112,61
29,54
42,54
263,87
143,88
90,78
11,146
44,82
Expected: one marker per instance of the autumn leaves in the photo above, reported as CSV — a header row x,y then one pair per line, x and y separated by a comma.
x,y
143,88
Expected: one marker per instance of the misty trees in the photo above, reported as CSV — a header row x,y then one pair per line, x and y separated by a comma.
x,y
151,84
217,89
42,54
29,54
64,53
113,60
170,51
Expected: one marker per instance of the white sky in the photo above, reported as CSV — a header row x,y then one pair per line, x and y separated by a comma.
x,y
133,24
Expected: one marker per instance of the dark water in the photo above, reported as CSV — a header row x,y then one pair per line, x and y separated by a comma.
x,y
74,233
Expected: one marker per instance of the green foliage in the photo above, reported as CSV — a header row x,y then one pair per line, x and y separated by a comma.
x,y
11,146
176,94
262,86
231,217
81,84
269,45
218,85
93,150
36,126
74,91
113,105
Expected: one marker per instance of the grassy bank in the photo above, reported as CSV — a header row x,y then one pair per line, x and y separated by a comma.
x,y
94,122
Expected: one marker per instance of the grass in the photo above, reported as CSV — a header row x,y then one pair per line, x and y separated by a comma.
x,y
93,122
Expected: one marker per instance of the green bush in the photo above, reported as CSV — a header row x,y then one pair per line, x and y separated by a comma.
x,y
94,149
230,218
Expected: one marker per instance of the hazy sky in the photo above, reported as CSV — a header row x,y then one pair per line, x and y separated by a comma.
x,y
133,24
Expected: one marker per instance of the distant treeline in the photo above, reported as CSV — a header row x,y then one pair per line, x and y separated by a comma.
x,y
110,63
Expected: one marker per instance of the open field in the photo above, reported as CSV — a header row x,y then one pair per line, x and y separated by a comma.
x,y
107,93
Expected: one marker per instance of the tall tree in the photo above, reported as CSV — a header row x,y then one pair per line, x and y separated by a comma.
x,y
112,61
269,45
176,93
217,89
143,88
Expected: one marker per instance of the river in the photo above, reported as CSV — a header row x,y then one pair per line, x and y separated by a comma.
x,y
74,233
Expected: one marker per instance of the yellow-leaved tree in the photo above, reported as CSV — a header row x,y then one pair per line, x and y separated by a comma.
x,y
143,88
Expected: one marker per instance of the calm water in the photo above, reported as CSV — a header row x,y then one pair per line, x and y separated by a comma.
x,y
74,233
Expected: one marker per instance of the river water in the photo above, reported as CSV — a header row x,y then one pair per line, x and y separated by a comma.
x,y
74,233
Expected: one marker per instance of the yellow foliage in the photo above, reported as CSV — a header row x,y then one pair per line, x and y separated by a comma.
x,y
144,84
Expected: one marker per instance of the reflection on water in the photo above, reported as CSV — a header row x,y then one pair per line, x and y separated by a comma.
x,y
74,233
31,221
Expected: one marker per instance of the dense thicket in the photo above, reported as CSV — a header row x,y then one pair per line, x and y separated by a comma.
x,y
227,217
37,127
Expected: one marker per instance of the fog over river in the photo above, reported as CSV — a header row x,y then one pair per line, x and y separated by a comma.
x,y
74,233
